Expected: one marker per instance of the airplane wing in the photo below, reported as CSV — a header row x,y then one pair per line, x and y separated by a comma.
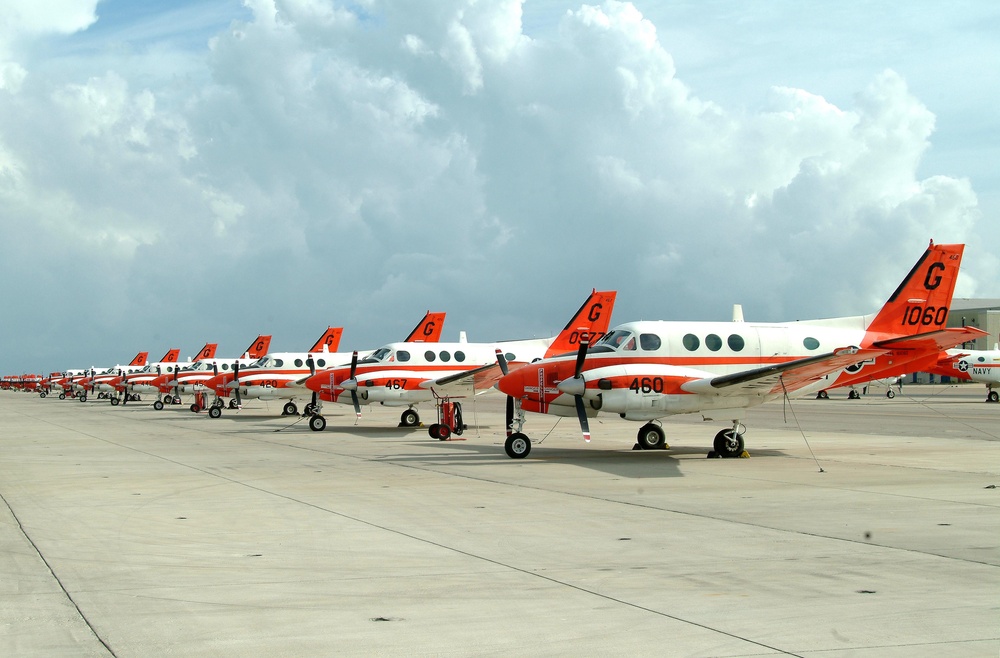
x,y
465,383
789,376
934,341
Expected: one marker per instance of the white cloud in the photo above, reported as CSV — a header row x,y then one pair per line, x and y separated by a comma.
x,y
360,163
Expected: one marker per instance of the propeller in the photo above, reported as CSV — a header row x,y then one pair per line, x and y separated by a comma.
x,y
236,380
576,387
351,384
509,414
312,373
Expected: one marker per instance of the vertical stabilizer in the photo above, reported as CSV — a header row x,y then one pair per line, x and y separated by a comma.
x,y
591,321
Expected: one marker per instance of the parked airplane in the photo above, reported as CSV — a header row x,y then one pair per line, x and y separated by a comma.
x,y
971,365
648,370
398,375
195,378
125,382
269,378
98,379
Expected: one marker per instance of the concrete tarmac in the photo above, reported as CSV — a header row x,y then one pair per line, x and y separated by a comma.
x,y
127,531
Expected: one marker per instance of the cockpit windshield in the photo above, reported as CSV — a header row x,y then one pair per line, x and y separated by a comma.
x,y
617,340
376,356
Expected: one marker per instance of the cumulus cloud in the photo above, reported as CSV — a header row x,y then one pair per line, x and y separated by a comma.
x,y
359,163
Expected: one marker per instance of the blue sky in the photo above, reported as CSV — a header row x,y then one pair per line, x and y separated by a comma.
x,y
182,172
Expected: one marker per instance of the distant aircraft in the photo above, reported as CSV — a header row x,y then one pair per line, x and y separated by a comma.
x,y
195,378
269,378
971,365
125,383
644,371
98,379
399,375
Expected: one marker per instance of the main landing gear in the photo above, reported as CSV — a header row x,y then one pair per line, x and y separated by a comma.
x,y
729,443
650,437
992,396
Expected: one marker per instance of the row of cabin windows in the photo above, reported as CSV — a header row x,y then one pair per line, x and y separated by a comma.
x,y
278,363
735,342
444,355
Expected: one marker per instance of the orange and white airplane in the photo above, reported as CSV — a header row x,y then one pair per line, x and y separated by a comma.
x,y
195,378
399,375
644,371
971,365
99,379
132,385
269,378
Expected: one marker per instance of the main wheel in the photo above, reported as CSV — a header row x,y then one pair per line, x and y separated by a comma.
x,y
289,409
42,395
83,398
443,433
409,418
168,399
822,395
62,396
158,405
728,444
517,446
309,410
993,396
853,395
115,402
317,423
651,437
215,412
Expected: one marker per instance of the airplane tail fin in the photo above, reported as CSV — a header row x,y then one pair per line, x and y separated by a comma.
x,y
427,330
140,359
329,341
207,352
923,299
258,347
171,356
591,321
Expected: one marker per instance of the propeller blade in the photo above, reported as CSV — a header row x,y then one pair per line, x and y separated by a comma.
x,y
236,380
357,404
502,362
581,355
354,391
581,413
312,365
509,415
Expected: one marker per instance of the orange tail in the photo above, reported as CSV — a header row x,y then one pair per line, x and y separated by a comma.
x,y
258,347
329,341
427,330
140,359
591,321
921,302
207,352
171,356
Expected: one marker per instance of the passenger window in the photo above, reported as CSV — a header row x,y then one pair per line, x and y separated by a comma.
x,y
649,342
225,366
445,356
278,363
429,356
403,355
510,357
321,363
810,343
298,363
460,356
713,342
691,342
736,342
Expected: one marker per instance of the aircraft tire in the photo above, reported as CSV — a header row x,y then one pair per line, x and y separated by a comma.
x,y
215,412
309,410
651,437
517,446
890,394
289,409
168,399
115,402
994,396
83,398
62,396
158,405
822,395
42,395
725,446
317,423
409,418
232,404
